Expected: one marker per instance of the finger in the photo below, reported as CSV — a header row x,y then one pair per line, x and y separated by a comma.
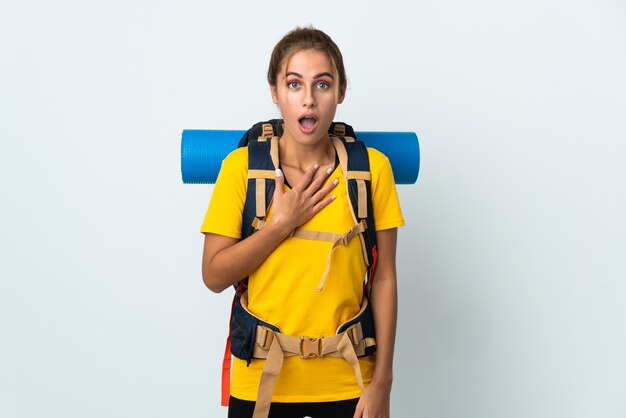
x,y
325,190
319,181
322,204
306,179
280,182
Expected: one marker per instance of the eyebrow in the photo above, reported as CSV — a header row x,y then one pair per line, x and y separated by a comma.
x,y
320,75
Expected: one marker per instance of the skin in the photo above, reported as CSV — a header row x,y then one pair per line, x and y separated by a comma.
x,y
307,86
374,402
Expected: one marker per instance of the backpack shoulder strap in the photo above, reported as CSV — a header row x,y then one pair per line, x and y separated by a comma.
x,y
262,143
354,161
262,146
262,164
261,131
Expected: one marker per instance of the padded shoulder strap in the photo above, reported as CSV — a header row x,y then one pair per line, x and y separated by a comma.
x,y
262,163
355,164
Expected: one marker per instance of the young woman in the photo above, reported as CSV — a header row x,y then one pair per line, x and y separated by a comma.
x,y
307,81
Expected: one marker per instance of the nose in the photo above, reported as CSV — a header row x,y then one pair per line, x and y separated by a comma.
x,y
309,98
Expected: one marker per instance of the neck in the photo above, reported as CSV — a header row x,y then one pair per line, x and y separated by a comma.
x,y
303,156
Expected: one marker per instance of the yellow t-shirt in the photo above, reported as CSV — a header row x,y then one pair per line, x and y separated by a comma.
x,y
282,290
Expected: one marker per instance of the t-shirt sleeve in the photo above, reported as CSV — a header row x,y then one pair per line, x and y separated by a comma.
x,y
387,212
223,217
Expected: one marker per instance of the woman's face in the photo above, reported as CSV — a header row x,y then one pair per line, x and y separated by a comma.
x,y
307,93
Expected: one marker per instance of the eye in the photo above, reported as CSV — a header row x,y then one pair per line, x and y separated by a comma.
x,y
293,84
322,85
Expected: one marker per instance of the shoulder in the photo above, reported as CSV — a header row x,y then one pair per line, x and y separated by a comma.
x,y
378,160
387,212
234,167
380,169
237,158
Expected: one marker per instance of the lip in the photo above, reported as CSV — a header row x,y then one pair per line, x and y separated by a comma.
x,y
308,129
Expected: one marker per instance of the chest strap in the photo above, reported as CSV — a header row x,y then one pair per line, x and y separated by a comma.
x,y
336,239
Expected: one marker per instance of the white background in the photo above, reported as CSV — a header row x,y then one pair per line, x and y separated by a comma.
x,y
512,264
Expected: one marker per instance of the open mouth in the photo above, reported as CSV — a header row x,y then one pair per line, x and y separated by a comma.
x,y
307,124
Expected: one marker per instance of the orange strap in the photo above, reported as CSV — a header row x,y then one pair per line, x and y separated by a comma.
x,y
372,270
226,362
226,374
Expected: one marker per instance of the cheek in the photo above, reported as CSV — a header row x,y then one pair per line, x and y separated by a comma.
x,y
285,99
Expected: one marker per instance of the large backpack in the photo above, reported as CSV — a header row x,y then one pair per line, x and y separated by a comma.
x,y
263,159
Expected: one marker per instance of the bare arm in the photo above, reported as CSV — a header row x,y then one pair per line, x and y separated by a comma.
x,y
384,300
227,260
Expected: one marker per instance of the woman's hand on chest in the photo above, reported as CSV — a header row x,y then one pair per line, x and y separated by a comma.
x,y
305,199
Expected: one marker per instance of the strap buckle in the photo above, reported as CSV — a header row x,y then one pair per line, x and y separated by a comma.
x,y
345,240
265,339
339,129
355,334
258,223
347,237
310,347
267,132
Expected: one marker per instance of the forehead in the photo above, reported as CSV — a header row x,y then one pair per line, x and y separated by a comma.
x,y
308,61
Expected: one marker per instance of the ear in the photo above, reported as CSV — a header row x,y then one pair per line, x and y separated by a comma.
x,y
274,94
342,95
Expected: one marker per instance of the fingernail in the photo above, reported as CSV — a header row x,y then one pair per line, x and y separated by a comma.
x,y
336,181
316,166
333,197
330,170
279,172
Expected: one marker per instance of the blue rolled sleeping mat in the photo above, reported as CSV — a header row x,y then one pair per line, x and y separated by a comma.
x,y
202,152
